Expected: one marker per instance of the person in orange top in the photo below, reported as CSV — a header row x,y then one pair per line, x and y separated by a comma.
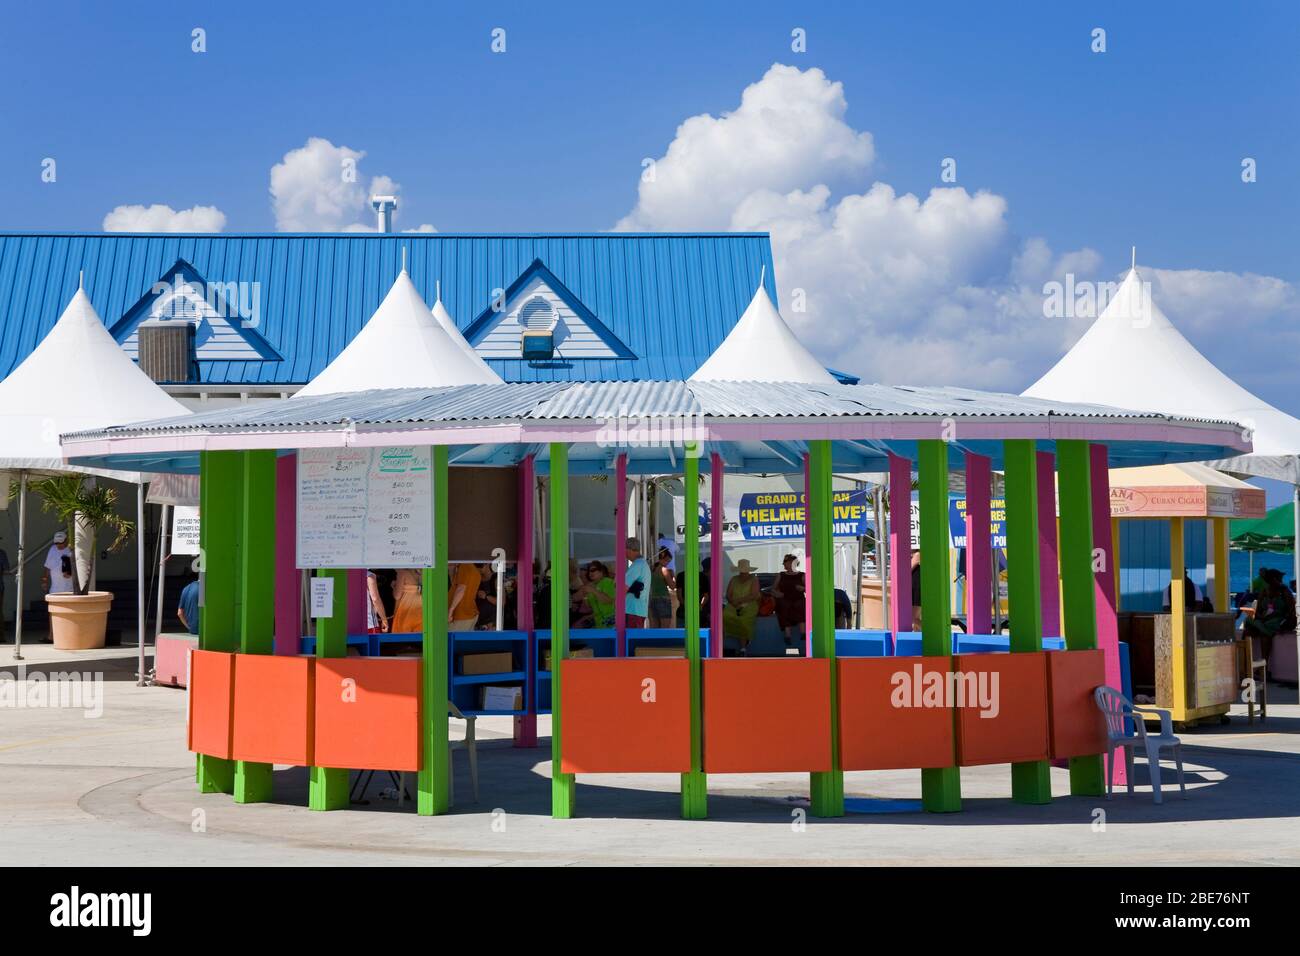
x,y
462,598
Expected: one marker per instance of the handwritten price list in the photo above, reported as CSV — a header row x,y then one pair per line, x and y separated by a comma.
x,y
365,507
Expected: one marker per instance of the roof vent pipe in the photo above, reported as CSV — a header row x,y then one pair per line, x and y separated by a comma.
x,y
384,207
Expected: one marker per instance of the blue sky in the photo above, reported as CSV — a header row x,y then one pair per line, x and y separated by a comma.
x,y
1065,157
1142,143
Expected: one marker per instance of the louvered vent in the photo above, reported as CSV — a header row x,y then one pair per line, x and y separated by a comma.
x,y
167,351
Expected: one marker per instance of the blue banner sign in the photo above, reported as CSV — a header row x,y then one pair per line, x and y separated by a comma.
x,y
997,521
767,515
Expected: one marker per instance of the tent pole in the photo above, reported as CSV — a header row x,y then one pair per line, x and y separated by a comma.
x,y
140,612
162,568
22,562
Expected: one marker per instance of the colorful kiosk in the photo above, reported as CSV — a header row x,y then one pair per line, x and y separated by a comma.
x,y
892,704
1187,658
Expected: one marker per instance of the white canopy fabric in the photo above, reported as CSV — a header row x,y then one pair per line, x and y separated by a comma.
x,y
449,326
761,348
78,377
1134,357
403,345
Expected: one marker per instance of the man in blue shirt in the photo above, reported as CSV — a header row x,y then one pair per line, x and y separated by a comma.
x,y
188,609
637,601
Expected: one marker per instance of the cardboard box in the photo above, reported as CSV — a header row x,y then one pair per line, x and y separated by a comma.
x,y
573,652
650,650
501,698
495,662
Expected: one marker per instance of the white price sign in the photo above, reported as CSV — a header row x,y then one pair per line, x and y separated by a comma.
x,y
322,597
365,507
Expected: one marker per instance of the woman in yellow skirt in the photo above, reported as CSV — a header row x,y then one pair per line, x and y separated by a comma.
x,y
408,610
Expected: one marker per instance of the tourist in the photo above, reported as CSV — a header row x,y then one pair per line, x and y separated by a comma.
x,y
705,579
1194,599
636,601
376,616
1274,612
408,606
741,609
462,597
597,596
187,608
916,590
58,577
789,591
663,591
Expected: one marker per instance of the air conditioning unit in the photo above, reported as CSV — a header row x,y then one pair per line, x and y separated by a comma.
x,y
537,344
166,349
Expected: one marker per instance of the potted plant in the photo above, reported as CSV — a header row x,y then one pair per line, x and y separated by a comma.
x,y
79,620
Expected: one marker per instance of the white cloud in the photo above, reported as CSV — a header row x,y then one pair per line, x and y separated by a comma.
x,y
160,218
898,288
319,187
788,131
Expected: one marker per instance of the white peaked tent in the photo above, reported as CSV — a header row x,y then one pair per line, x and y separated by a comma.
x,y
1134,357
761,348
403,345
77,378
449,326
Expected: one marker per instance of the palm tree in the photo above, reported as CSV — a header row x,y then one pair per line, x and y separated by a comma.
x,y
90,508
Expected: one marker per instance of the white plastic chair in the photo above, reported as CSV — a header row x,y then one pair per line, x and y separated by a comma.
x,y
467,744
1115,707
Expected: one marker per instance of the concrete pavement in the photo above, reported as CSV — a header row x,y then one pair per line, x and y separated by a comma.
x,y
118,789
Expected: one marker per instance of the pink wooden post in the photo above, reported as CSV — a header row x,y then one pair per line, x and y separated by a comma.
x,y
357,591
979,571
287,599
900,544
807,561
526,724
715,554
1107,622
620,554
1049,568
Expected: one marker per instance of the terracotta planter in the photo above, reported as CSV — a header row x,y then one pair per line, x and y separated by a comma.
x,y
78,622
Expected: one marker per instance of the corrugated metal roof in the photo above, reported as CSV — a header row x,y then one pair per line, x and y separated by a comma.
x,y
604,401
670,298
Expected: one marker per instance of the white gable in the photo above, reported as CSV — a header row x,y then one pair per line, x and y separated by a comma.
x,y
536,305
216,336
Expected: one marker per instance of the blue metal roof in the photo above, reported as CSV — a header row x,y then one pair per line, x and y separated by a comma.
x,y
671,298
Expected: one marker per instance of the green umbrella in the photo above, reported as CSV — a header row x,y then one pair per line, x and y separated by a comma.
x,y
1274,532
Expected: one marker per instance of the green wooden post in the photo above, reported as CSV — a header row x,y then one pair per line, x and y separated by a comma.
x,y
433,786
1031,780
695,784
826,787
1078,594
257,589
328,786
940,786
221,478
563,785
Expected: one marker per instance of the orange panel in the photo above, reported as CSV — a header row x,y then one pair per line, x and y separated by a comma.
x,y
273,709
1011,689
767,715
368,713
625,715
212,678
886,720
1077,727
